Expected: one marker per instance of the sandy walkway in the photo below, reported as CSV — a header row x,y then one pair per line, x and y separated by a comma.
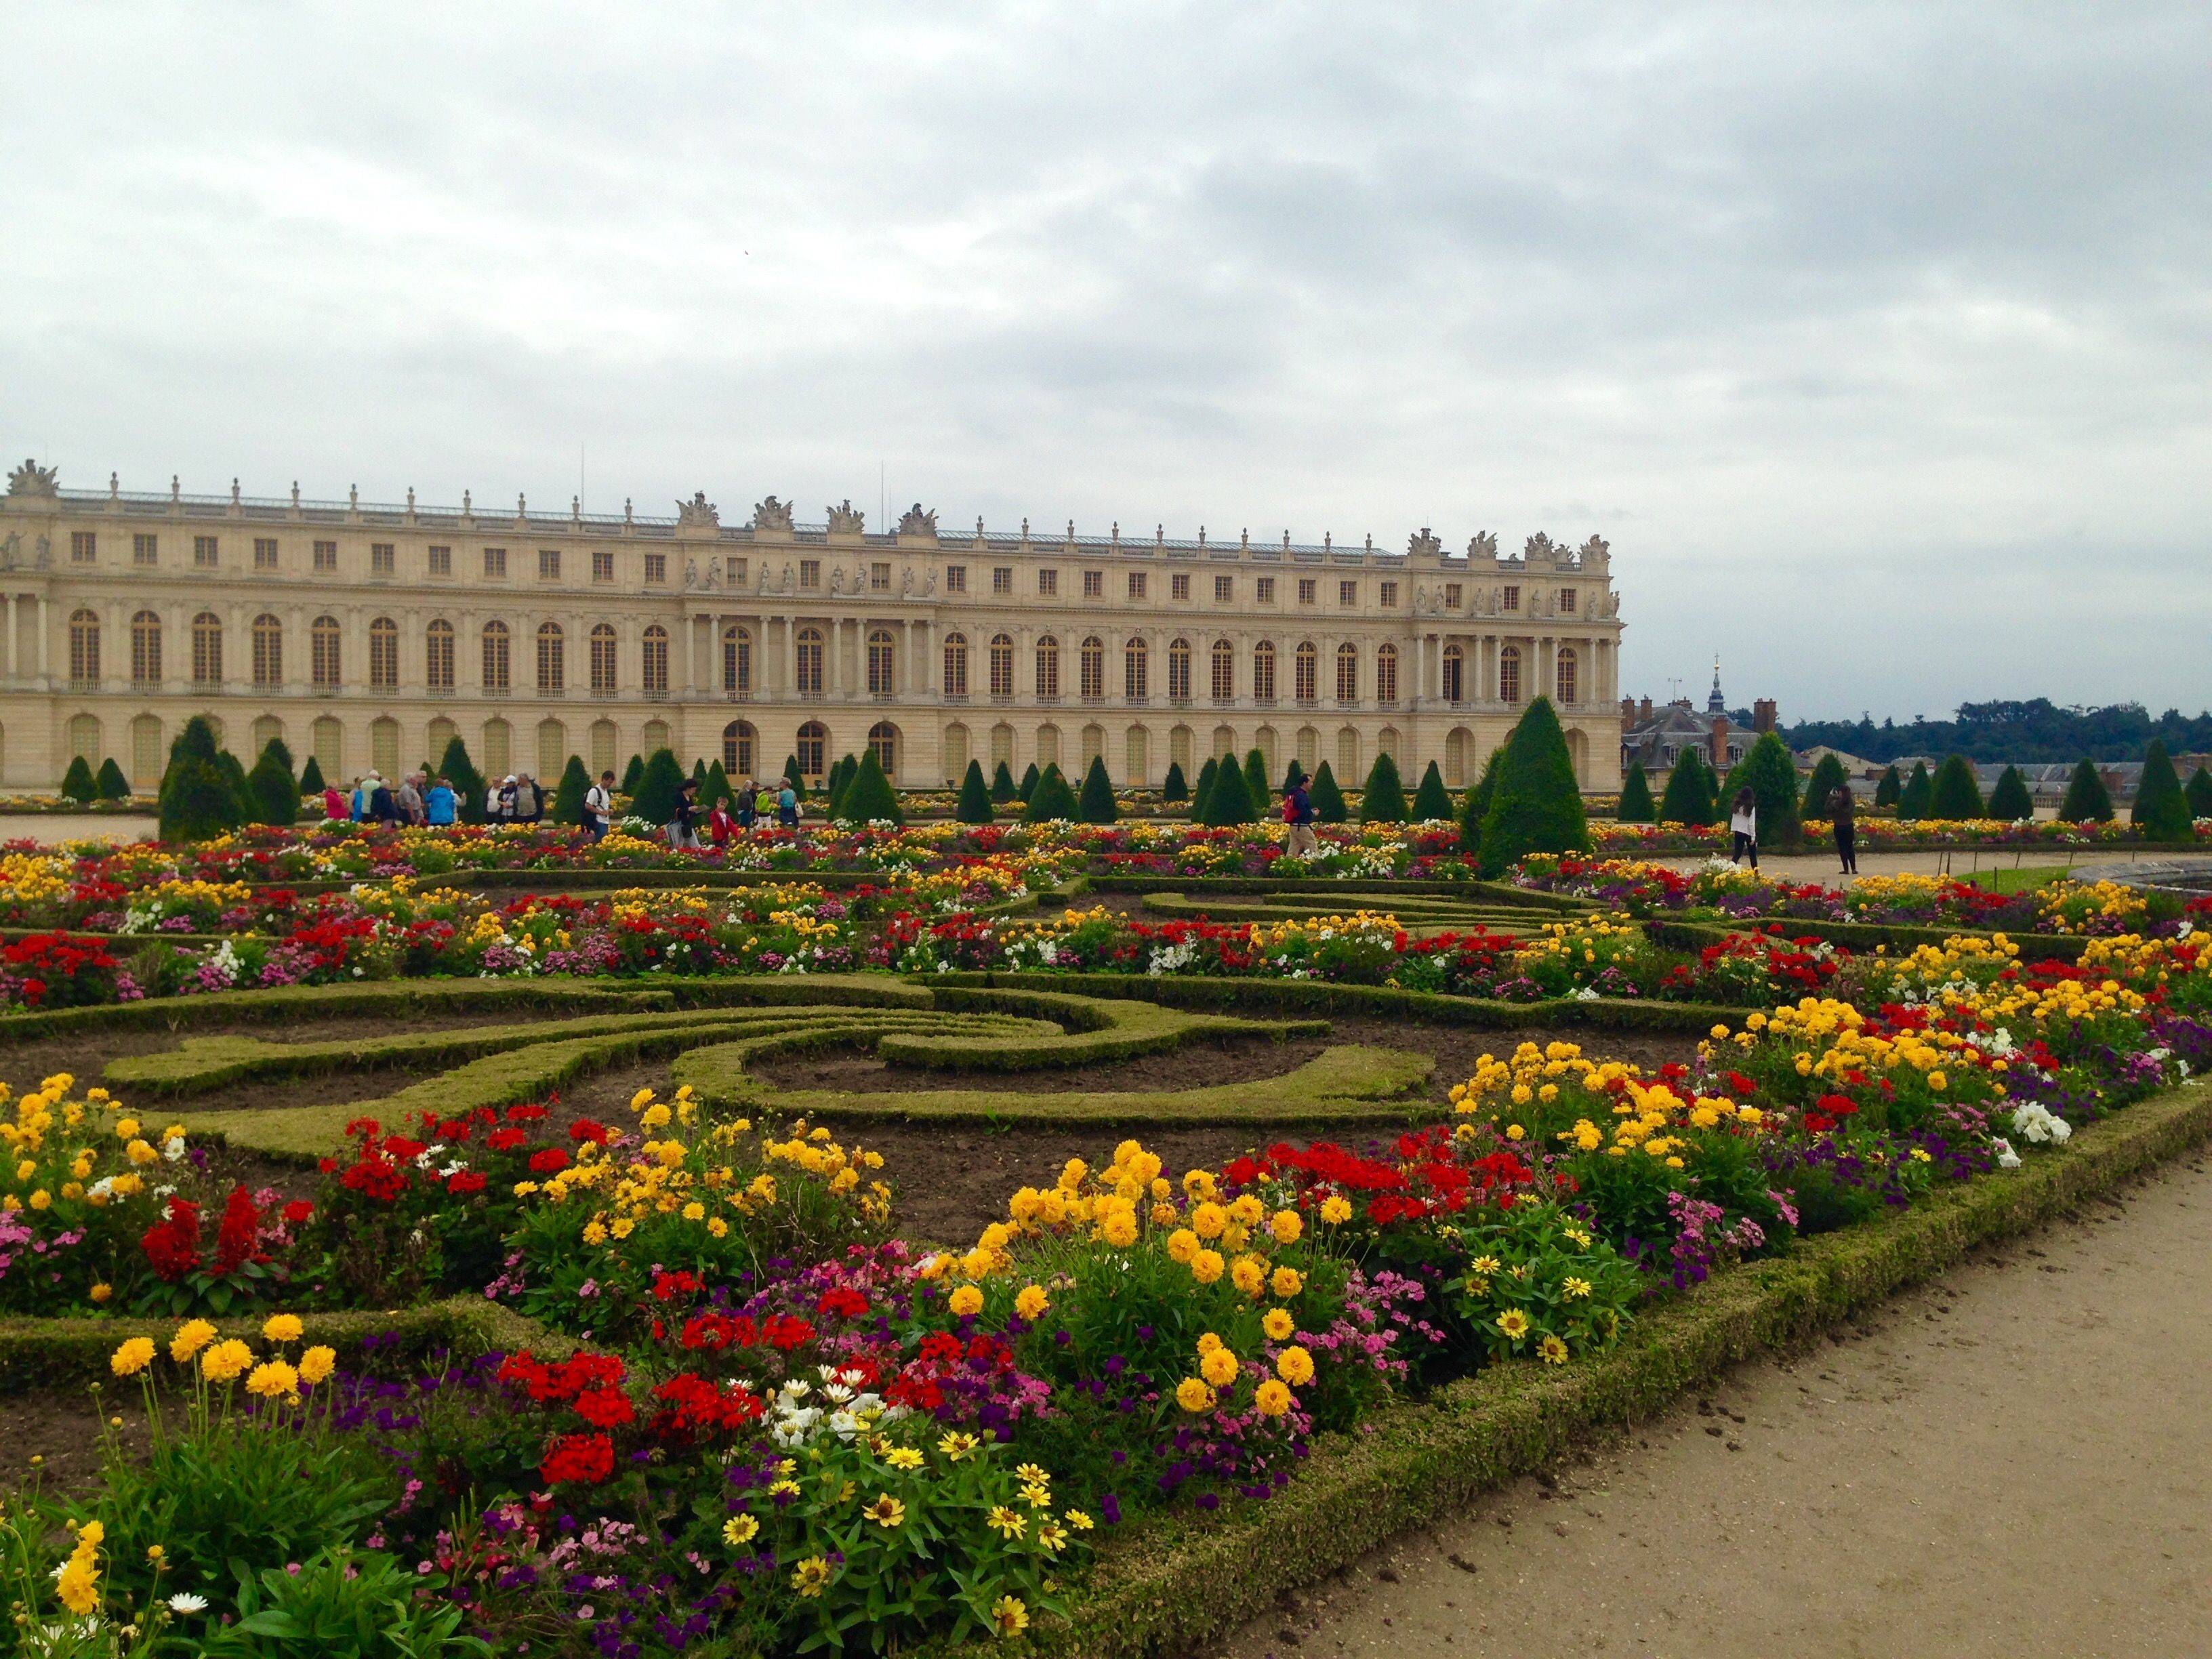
x,y
1821,867
2015,1462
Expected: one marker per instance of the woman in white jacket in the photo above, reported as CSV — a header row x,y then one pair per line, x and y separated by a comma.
x,y
1743,825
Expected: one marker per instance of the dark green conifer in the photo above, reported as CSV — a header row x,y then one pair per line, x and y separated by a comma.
x,y
1636,806
976,795
1383,800
1537,806
2087,800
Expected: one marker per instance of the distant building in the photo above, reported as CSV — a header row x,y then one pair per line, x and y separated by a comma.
x,y
1655,737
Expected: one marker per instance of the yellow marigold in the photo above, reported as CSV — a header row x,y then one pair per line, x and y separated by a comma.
x,y
1287,1282
1205,1267
1208,1220
1271,1397
967,1301
100,1294
1120,1229
1277,1324
1218,1368
1286,1225
1193,1395
226,1361
1336,1210
132,1358
273,1380
191,1336
1182,1246
1249,1274
317,1364
282,1328
1032,1302
1295,1366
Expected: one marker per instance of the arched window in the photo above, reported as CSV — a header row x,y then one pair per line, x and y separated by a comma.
x,y
442,731
1459,747
384,653
1092,667
655,738
323,658
884,738
810,664
603,658
207,649
552,659
495,663
813,743
956,752
1386,673
326,739
1509,674
1136,671
1048,749
384,745
882,664
1347,753
1094,745
1263,672
1568,675
1002,745
268,651
956,665
1306,673
1136,757
146,649
738,746
1179,670
1455,674
736,658
653,661
1047,669
266,730
1225,671
83,646
606,739
498,748
1308,749
1002,665
438,655
552,750
146,750
1347,673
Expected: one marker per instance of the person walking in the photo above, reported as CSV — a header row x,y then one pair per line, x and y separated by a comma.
x,y
1298,813
748,804
529,801
408,798
787,806
599,806
439,805
720,823
363,788
680,832
334,802
1847,831
1743,827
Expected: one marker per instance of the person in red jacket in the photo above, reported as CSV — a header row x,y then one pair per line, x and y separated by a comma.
x,y
334,803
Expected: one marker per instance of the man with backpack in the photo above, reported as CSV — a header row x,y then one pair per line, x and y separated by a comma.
x,y
1298,814
599,806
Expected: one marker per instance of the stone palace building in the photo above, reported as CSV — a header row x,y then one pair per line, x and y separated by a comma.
x,y
369,636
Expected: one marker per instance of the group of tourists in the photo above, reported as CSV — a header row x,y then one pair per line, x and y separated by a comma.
x,y
748,805
423,800
1743,830
418,799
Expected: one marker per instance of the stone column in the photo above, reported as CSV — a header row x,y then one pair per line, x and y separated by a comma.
x,y
45,633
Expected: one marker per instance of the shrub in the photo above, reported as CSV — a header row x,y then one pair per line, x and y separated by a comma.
x,y
794,776
1051,800
1175,788
1383,800
1536,807
235,775
1294,775
459,770
1206,775
2161,810
197,801
1919,794
1954,792
1828,776
1002,785
112,785
1637,805
717,786
569,794
1892,787
654,797
2087,799
1327,799
2009,799
312,780
78,782
976,795
1255,781
1229,801
868,797
1095,805
274,794
1432,801
1030,781
633,774
1690,792
2199,794
1477,806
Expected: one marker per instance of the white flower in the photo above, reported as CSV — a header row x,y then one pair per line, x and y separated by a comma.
x,y
185,1601
2007,1158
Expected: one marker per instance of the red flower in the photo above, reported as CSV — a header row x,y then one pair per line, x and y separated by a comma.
x,y
172,1245
506,1141
297,1212
234,1240
552,1161
584,1459
605,1408
464,1181
584,1129
843,1302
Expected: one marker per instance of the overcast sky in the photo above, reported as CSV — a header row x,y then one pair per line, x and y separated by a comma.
x,y
1877,339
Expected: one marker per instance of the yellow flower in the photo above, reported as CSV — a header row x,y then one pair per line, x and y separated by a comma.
x,y
282,1328
1205,1267
317,1364
226,1361
273,1380
1272,1398
1514,1323
1576,1288
1032,1302
886,1511
1295,1366
1218,1368
1193,1395
1287,1282
1336,1210
810,1577
967,1301
740,1529
1008,1616
1278,1323
1007,1524
957,1444
1080,1520
191,1336
1285,1225
1553,1350
133,1357
1182,1246
903,1457
1209,1219
1249,1274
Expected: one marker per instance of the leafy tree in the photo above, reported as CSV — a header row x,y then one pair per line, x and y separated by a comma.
x,y
717,786
1919,794
1095,805
1229,801
2033,730
1002,785
1477,805
1954,794
1175,788
633,774
1255,782
1890,790
1772,776
112,785
1206,775
868,796
2199,794
1828,776
1294,775
1327,799
1689,797
459,770
1432,801
1636,806
78,783
976,795
654,798
568,793
1536,805
274,794
1030,779
2087,800
2161,810
1383,800
2010,800
311,781
1051,800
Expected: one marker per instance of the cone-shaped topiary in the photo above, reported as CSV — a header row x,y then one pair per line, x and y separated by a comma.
x,y
868,796
241,792
1828,776
1176,787
1096,803
794,776
1772,776
1689,797
975,796
633,774
654,797
78,782
1636,805
1030,779
1476,807
1294,775
2161,810
1535,806
1954,792
459,770
1206,775
311,781
568,793
2010,800
1002,785
112,785
197,801
1229,801
1918,794
1383,800
2199,794
1052,799
699,772
1890,789
275,794
717,786
1255,782
1432,801
1327,799
2087,800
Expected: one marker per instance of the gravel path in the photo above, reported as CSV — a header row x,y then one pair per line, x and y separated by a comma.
x,y
2012,1462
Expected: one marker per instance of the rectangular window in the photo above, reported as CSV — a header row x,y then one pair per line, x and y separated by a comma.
x,y
204,550
737,572
1308,587
1094,584
1509,599
1179,586
1567,601
1048,584
1265,590
1452,596
809,572
326,556
955,579
1002,579
382,559
1347,595
1225,589
548,564
441,560
495,564
880,577
264,552
145,549
84,546
1387,595
603,565
656,567
1136,584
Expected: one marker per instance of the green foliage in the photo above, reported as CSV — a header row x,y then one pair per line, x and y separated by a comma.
x,y
1229,801
235,775
654,798
699,773
1432,801
273,794
1888,791
1030,779
1636,806
1095,805
1052,799
78,782
339,1605
1828,776
567,805
1954,792
868,797
1206,775
2199,794
1327,799
717,786
1914,800
2087,800
1175,788
203,792
1772,777
1294,775
1002,785
468,784
2161,810
633,774
196,740
794,776
1477,805
1537,806
833,787
1690,796
2010,800
976,795
312,780
111,784
1383,801
1255,781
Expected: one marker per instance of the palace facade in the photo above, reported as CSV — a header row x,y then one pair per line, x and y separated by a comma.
x,y
369,636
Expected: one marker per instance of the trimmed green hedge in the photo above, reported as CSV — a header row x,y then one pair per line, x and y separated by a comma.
x,y
1094,1031
399,999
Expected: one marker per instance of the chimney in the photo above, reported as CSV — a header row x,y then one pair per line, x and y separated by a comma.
x,y
1762,715
1719,757
1646,709
1628,711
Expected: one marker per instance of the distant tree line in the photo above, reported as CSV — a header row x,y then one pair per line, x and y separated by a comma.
x,y
2037,730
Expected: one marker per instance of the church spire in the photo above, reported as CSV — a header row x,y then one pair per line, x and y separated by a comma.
x,y
1717,704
